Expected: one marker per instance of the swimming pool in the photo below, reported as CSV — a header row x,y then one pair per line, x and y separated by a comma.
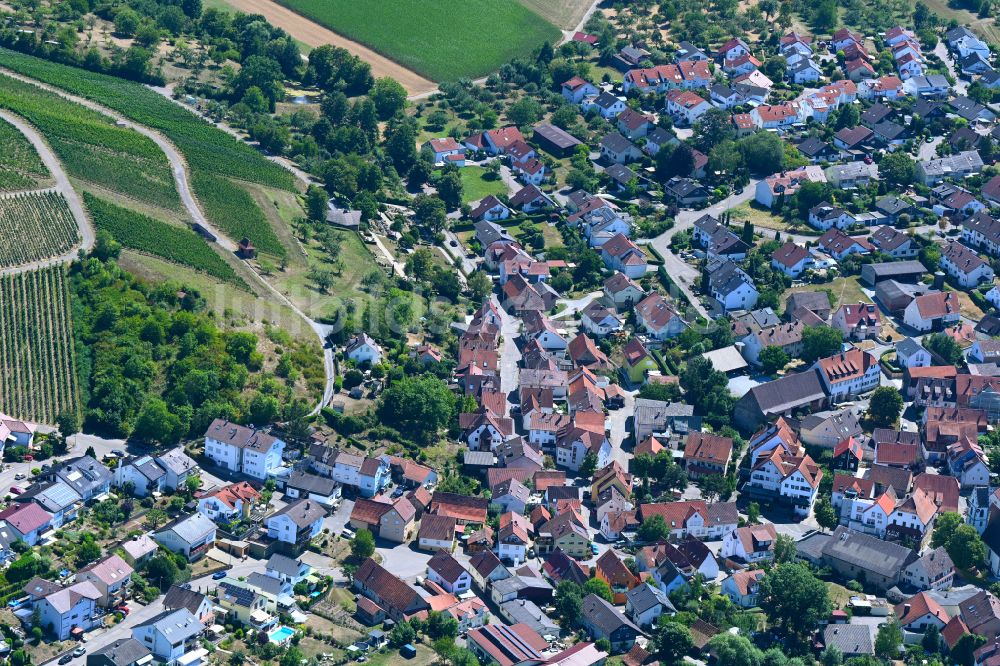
x,y
281,635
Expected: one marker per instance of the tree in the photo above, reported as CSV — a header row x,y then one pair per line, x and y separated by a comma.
x,y
155,518
441,625
963,650
708,390
885,406
417,406
945,347
670,392
316,199
944,528
793,599
966,548
671,642
600,588
810,194
653,529
402,634
162,572
480,285
772,359
292,657
820,341
589,465
931,642
156,423
430,212
753,513
734,650
568,602
747,235
784,549
847,116
898,169
105,246
389,97
763,152
88,551
826,516
449,188
362,545
889,640
525,111
674,161
68,423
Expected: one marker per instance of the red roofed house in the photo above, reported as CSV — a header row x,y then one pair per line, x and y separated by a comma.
x,y
706,454
499,140
849,374
858,321
623,255
613,571
658,318
28,521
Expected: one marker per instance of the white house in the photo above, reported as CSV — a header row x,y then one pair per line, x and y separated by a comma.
x,y
752,543
742,587
241,449
576,90
849,374
938,309
191,536
963,264
297,523
658,318
61,609
447,572
911,354
362,349
169,634
599,320
686,107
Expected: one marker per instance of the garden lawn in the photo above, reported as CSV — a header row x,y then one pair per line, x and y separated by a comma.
x,y
443,40
476,187
845,290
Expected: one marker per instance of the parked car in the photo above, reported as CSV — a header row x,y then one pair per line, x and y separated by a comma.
x,y
219,575
66,658
118,452
122,608
20,476
16,490
80,651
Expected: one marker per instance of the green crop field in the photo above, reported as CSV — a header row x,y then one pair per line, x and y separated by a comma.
x,y
91,147
20,166
203,145
234,210
143,233
38,378
443,40
35,226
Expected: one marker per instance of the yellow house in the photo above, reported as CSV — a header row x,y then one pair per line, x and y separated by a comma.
x,y
565,532
611,475
244,605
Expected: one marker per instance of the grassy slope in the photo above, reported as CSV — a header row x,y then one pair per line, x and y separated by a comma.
x,y
475,187
440,39
153,236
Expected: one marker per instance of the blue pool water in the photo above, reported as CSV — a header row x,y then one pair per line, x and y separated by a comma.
x,y
281,635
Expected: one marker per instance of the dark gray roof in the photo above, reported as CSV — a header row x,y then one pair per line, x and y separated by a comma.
x,y
190,528
810,300
850,639
936,562
84,474
788,392
908,347
122,652
241,596
813,146
645,596
265,583
311,483
891,205
620,174
867,552
147,467
284,565
556,136
177,625
606,100
302,513
602,615
889,268
616,143
810,547
179,597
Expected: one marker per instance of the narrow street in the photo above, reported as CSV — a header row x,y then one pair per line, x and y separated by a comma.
x,y
510,355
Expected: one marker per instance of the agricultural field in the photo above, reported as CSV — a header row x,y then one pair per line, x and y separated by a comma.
x,y
146,234
235,212
205,147
444,40
91,147
38,379
34,226
20,166
564,13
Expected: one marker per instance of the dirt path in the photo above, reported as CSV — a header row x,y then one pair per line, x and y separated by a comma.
x,y
182,179
62,186
313,34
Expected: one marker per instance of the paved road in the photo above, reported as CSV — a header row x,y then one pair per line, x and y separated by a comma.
x,y
62,186
928,151
510,355
684,275
459,251
574,305
941,51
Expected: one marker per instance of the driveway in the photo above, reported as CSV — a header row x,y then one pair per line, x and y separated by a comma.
x,y
684,275
574,305
510,355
